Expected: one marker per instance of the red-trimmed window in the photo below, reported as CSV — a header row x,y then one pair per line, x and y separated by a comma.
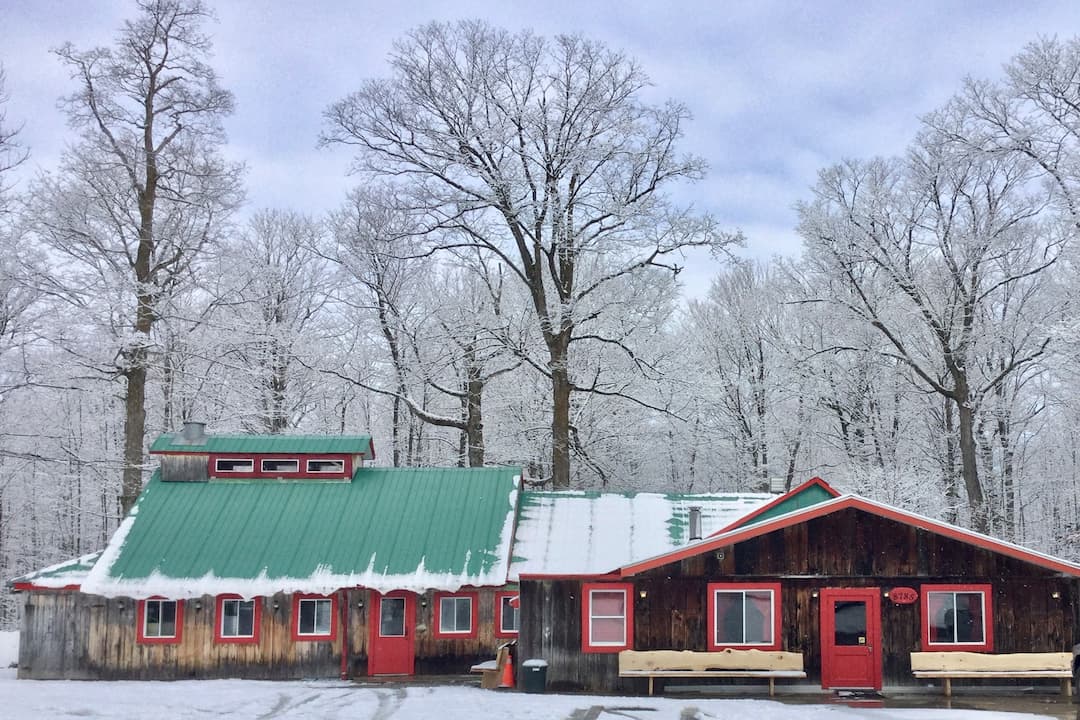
x,y
237,619
957,617
292,467
456,615
607,617
326,466
279,466
314,617
744,615
160,621
507,617
234,466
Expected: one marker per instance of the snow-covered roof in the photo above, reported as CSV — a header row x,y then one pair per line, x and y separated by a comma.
x,y
837,504
66,574
387,529
589,533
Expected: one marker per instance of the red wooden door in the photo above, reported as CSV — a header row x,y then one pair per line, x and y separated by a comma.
x,y
393,619
851,638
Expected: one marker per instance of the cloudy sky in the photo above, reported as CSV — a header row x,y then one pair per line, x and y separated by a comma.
x,y
778,90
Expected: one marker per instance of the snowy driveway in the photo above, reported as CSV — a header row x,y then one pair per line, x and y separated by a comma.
x,y
39,700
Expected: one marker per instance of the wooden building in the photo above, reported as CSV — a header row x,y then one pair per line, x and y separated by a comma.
x,y
853,585
279,557
283,557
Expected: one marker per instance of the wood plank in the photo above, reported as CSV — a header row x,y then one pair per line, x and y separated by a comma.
x,y
992,674
702,661
982,662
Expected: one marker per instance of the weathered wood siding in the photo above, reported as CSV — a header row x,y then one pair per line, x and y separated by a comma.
x,y
72,635
185,468
846,549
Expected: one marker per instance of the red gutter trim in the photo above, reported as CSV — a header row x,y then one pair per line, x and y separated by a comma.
x,y
613,575
843,503
776,501
21,586
344,595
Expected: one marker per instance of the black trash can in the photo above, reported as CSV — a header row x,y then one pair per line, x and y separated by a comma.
x,y
534,674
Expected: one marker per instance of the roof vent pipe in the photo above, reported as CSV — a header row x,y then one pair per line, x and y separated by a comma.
x,y
193,433
695,522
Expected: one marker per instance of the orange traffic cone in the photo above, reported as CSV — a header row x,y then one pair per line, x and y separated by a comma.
x,y
507,680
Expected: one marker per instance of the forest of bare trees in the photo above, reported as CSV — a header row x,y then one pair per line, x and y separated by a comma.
x,y
499,284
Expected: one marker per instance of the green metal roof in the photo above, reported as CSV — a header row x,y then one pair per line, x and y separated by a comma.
x,y
809,493
307,444
389,528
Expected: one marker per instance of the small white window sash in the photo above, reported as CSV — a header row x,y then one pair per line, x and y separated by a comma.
x,y
593,616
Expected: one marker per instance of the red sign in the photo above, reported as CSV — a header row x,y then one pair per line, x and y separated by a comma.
x,y
903,595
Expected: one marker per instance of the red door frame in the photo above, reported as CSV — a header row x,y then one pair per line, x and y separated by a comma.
x,y
393,655
840,664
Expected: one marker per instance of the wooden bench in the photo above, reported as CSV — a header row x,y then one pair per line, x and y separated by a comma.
x,y
722,664
491,670
950,665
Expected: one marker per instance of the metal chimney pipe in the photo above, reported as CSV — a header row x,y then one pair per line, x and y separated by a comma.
x,y
695,522
193,433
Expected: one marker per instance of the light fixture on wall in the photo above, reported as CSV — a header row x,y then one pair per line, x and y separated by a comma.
x,y
423,602
119,606
198,605
886,593
813,593
359,604
643,593
1056,594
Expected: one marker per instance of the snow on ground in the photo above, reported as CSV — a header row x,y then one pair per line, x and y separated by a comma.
x,y
9,649
326,700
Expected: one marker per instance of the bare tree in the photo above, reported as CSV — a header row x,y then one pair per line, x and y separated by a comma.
x,y
144,189
12,154
541,154
923,249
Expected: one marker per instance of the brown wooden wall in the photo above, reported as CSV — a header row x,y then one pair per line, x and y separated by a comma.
x,y
845,549
72,635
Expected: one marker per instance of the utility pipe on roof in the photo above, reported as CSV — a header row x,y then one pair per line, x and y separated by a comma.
x,y
695,522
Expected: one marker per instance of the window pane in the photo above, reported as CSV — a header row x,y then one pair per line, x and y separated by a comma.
x,y
729,617
152,628
227,465
509,616
758,617
850,619
273,465
941,609
229,618
323,612
608,603
307,617
326,466
969,617
608,631
392,617
246,619
464,615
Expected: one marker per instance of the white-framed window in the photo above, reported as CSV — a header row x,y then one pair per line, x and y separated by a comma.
x,y
314,617
234,465
508,616
456,614
957,617
744,615
159,621
607,617
280,465
326,465
236,619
